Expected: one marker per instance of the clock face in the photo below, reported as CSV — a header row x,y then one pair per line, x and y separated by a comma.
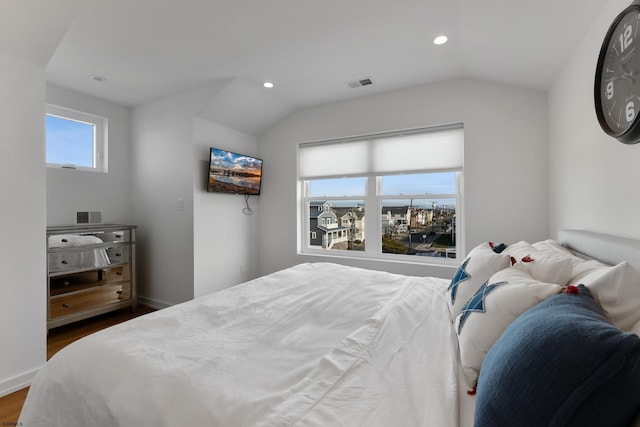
x,y
619,74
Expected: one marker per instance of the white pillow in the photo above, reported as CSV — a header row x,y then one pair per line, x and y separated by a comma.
x,y
585,268
617,289
519,249
553,247
481,263
581,266
546,269
543,265
507,294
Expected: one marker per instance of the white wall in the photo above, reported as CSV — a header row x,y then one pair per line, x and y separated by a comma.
x,y
71,190
22,191
593,177
505,166
225,239
162,177
189,242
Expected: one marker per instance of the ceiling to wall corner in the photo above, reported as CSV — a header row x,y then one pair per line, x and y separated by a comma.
x,y
313,52
246,107
32,29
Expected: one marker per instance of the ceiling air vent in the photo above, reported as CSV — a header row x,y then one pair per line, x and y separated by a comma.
x,y
360,82
88,217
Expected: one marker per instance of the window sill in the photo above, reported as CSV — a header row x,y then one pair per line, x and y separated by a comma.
x,y
451,263
73,168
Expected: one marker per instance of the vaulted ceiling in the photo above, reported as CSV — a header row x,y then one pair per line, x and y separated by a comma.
x,y
310,50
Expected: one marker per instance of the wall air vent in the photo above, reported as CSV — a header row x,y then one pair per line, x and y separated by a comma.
x,y
366,81
88,217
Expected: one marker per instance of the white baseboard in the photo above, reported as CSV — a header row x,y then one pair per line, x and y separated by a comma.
x,y
17,383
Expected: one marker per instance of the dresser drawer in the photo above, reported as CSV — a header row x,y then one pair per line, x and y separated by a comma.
x,y
116,236
117,274
75,260
75,302
119,254
89,279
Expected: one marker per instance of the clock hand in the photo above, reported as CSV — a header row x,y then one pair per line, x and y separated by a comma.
x,y
616,78
625,75
631,75
625,58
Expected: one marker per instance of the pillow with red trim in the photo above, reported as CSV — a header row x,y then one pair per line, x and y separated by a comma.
x,y
546,266
481,263
519,249
561,363
545,269
506,295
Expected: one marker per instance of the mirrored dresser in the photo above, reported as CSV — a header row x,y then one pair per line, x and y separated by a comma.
x,y
91,271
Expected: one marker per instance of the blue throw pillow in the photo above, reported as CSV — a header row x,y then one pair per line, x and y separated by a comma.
x,y
561,363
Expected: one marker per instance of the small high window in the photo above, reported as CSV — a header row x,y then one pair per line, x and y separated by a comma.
x,y
75,140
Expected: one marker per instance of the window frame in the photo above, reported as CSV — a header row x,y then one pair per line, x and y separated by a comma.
x,y
373,200
100,144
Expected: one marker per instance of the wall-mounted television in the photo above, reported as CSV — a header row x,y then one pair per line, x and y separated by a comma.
x,y
234,173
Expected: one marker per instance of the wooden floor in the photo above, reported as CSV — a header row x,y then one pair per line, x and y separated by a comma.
x,y
11,405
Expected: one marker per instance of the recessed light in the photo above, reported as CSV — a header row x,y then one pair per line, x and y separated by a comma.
x,y
268,85
98,78
440,40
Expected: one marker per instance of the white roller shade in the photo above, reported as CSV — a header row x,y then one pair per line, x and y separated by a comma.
x,y
401,152
335,159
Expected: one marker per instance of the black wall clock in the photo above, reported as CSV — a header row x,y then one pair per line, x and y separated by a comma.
x,y
617,82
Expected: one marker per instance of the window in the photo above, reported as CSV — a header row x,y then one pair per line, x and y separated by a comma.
x,y
390,196
75,140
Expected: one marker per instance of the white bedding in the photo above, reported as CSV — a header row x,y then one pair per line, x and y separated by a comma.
x,y
314,345
90,258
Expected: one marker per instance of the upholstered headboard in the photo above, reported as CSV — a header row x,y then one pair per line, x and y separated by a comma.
x,y
604,247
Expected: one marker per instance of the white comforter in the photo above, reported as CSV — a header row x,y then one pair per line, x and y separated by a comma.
x,y
313,345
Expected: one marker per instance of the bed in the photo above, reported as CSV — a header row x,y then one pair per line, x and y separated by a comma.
x,y
322,344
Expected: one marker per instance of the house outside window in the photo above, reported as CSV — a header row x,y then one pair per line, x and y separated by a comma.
x,y
75,140
387,196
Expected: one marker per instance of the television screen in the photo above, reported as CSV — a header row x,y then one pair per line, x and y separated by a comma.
x,y
234,173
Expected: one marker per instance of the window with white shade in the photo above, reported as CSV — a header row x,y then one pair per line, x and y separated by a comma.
x,y
393,196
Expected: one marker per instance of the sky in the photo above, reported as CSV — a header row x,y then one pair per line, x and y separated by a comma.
x,y
234,161
69,142
394,185
443,183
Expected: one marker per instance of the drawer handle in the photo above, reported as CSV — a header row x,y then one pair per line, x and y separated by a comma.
x,y
64,261
65,305
118,236
119,273
119,292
